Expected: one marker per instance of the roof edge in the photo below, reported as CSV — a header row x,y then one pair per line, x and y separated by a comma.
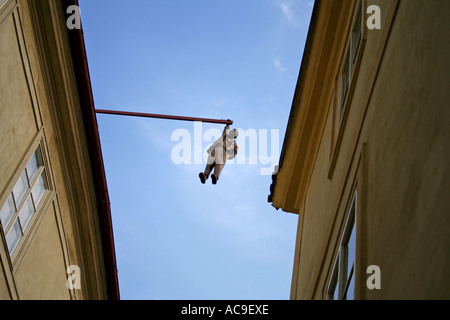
x,y
305,60
81,68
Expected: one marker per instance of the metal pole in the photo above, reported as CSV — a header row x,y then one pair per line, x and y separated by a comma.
x,y
162,116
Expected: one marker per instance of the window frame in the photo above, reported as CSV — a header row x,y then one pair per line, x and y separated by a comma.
x,y
341,277
333,284
351,58
18,205
350,63
350,227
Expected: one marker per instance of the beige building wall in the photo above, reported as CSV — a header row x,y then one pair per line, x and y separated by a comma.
x,y
389,147
40,108
408,157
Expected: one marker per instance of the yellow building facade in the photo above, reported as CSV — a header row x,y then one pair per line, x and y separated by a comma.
x,y
365,161
56,233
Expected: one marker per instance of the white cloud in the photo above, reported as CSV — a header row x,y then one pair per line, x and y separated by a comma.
x,y
286,9
278,65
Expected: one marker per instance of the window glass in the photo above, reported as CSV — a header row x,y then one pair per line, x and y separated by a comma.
x,y
351,249
345,78
351,288
351,252
356,33
26,213
7,212
33,165
351,55
345,83
20,188
39,189
13,237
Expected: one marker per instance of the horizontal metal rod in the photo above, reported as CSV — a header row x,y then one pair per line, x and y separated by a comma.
x,y
162,116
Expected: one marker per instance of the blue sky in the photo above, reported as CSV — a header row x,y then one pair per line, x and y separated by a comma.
x,y
176,238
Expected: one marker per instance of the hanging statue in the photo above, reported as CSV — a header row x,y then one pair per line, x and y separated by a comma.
x,y
223,149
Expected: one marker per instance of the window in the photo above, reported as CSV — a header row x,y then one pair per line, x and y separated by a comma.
x,y
356,33
24,201
348,69
344,83
342,282
349,63
333,291
348,248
